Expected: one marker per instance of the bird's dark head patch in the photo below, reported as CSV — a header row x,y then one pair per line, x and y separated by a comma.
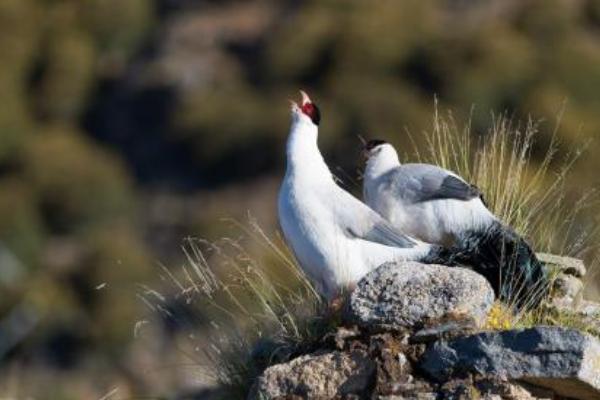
x,y
371,148
371,144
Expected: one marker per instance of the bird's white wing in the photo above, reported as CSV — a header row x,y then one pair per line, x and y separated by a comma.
x,y
360,221
418,183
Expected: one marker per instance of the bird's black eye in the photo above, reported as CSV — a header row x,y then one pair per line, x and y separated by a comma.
x,y
371,144
312,111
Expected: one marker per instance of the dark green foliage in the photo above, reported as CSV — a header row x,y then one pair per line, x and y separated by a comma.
x,y
67,221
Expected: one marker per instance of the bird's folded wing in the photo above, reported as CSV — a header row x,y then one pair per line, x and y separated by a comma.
x,y
421,182
381,232
361,222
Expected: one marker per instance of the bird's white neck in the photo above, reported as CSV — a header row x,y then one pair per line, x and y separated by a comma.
x,y
382,162
302,150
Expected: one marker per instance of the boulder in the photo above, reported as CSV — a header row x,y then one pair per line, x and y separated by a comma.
x,y
563,360
442,331
492,389
589,309
567,286
506,390
467,389
411,296
324,375
565,265
567,292
589,312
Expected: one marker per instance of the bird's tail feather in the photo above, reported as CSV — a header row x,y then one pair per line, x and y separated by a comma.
x,y
505,260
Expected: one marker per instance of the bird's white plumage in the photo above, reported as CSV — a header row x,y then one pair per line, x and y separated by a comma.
x,y
406,196
335,237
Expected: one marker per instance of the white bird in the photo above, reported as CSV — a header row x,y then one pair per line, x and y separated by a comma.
x,y
424,200
438,206
335,237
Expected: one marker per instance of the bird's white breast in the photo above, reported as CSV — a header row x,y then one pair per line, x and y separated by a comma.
x,y
308,227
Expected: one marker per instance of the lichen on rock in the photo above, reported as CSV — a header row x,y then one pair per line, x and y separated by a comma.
x,y
325,375
412,296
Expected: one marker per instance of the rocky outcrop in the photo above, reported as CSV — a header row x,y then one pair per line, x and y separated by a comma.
x,y
564,265
567,291
567,274
413,296
414,331
324,375
564,360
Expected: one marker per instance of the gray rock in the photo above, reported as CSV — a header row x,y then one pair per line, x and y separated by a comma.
x,y
511,390
567,292
492,389
411,296
563,360
340,337
411,390
438,332
589,312
565,265
589,309
567,287
316,376
415,396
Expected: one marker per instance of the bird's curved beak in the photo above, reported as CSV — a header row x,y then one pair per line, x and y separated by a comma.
x,y
305,98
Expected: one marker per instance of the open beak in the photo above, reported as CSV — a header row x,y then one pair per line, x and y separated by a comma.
x,y
305,98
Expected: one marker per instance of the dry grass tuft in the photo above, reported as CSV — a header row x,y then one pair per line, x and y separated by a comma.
x,y
257,307
530,197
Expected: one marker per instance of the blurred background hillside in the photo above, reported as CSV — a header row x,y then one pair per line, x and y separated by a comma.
x,y
128,125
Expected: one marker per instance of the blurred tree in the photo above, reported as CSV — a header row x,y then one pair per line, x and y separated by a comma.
x,y
119,28
21,225
66,202
18,40
79,186
68,76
